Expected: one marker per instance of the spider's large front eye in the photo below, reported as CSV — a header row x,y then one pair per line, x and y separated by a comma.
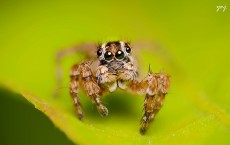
x,y
99,52
128,49
108,55
119,54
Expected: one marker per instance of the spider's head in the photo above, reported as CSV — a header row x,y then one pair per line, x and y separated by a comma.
x,y
114,54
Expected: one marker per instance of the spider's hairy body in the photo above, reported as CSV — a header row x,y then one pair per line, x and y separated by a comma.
x,y
114,72
116,69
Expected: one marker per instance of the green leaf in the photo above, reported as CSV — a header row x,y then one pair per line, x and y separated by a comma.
x,y
194,53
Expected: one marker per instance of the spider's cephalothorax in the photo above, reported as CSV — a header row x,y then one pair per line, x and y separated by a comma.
x,y
116,63
116,69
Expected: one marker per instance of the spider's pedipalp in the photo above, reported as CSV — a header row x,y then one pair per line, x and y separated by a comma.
x,y
105,77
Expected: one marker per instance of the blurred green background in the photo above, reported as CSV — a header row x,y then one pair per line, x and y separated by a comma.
x,y
22,124
195,52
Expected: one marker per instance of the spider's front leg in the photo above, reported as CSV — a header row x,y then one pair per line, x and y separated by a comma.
x,y
90,85
155,86
87,48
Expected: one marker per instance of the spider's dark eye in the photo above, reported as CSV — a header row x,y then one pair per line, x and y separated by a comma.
x,y
99,52
128,49
108,55
119,54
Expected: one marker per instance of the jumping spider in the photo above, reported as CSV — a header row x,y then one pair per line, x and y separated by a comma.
x,y
115,69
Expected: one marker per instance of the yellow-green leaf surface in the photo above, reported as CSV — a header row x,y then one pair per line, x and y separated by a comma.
x,y
194,50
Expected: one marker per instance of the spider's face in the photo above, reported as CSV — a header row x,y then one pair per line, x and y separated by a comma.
x,y
114,53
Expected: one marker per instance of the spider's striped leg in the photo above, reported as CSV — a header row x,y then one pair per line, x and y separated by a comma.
x,y
155,86
90,85
87,48
73,89
158,85
94,91
152,106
